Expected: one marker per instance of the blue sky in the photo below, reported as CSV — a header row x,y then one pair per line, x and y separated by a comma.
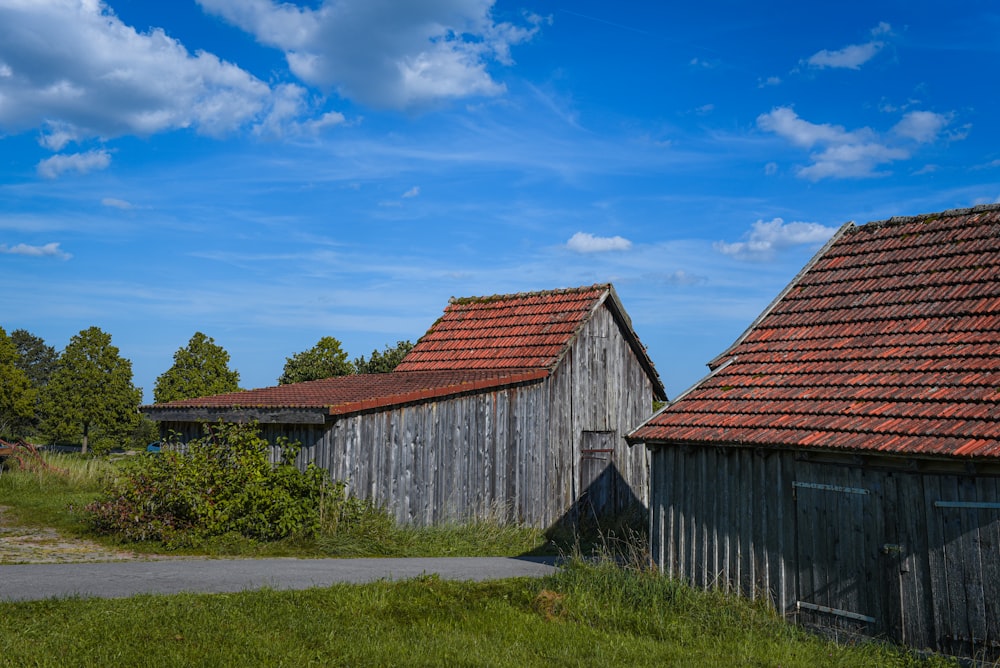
x,y
271,173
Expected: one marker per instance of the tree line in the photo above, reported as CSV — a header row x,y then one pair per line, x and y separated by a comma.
x,y
85,394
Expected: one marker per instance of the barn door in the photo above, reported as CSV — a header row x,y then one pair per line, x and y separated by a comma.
x,y
597,473
967,577
836,587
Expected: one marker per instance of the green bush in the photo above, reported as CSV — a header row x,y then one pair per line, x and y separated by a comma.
x,y
221,484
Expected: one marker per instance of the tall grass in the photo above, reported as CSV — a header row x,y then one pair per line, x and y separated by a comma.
x,y
472,539
355,528
587,614
44,494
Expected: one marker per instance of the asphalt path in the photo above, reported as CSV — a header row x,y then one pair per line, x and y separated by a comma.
x,y
25,582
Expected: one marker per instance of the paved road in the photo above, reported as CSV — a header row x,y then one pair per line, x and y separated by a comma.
x,y
23,582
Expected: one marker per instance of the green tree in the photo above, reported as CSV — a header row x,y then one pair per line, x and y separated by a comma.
x,y
90,396
38,360
323,360
201,369
385,361
34,357
17,395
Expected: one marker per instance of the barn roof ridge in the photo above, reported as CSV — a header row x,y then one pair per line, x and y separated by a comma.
x,y
932,216
486,299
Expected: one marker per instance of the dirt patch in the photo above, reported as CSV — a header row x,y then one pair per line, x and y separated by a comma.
x,y
33,545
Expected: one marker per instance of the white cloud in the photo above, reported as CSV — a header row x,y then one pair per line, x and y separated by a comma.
x,y
288,104
48,250
75,70
55,136
851,160
769,81
842,153
584,242
82,163
921,126
327,120
852,56
698,62
115,203
784,122
385,53
766,238
412,192
679,278
882,28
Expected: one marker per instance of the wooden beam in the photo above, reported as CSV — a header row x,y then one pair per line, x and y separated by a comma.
x,y
261,415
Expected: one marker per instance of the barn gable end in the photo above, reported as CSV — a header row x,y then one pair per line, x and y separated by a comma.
x,y
843,456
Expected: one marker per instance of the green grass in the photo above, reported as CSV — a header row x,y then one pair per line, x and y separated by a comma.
x,y
44,497
586,615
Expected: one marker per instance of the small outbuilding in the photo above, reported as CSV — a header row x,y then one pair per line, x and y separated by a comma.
x,y
512,406
842,458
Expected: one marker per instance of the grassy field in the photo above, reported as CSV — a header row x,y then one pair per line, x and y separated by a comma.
x,y
587,615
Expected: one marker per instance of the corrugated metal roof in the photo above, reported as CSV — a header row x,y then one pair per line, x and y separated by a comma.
x,y
889,341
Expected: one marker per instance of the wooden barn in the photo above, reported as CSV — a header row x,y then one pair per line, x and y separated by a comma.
x,y
843,455
511,405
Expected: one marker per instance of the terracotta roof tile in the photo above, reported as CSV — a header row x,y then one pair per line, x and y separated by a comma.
x,y
889,341
526,330
349,394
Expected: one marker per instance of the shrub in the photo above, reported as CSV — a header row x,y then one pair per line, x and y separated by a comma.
x,y
221,484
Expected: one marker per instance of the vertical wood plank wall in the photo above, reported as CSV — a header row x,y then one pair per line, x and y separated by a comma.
x,y
512,453
909,555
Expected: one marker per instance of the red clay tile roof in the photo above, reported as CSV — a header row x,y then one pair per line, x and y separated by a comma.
x,y
350,394
527,330
888,341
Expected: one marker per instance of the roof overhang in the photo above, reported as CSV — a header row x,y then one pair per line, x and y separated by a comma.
x,y
917,462
261,414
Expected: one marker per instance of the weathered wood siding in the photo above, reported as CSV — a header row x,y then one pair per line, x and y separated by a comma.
x,y
872,548
598,394
473,456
